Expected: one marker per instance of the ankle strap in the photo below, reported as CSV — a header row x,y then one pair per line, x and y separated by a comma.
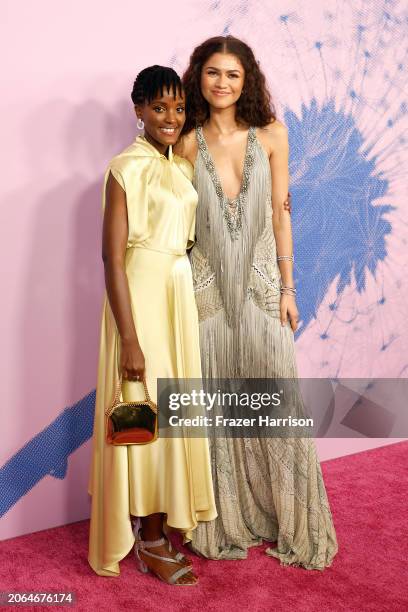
x,y
142,544
159,557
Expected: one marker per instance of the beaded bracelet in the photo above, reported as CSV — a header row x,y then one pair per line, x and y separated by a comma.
x,y
289,257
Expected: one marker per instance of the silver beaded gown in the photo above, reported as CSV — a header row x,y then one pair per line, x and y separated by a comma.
x,y
265,488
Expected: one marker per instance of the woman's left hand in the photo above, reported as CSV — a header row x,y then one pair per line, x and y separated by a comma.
x,y
288,310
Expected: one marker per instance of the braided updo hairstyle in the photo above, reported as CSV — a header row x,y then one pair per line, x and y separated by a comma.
x,y
152,80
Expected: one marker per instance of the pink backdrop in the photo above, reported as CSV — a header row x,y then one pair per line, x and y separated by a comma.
x,y
65,111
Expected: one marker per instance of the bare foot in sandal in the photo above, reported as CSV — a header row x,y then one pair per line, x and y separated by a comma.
x,y
156,535
154,556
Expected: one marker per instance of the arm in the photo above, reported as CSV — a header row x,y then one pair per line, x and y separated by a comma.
x,y
187,147
281,223
114,240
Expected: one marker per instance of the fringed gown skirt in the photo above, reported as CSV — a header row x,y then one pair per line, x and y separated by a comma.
x,y
265,488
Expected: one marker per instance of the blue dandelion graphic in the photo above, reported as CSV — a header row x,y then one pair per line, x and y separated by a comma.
x,y
340,231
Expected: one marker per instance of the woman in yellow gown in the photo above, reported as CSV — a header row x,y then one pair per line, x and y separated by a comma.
x,y
149,328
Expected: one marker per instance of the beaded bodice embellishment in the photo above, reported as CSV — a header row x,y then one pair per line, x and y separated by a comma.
x,y
232,209
228,229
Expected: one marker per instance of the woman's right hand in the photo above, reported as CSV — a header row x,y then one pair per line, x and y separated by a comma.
x,y
132,361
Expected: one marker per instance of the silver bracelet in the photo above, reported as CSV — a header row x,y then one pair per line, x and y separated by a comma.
x,y
289,290
288,257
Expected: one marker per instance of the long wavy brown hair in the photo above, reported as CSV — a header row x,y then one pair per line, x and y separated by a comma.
x,y
254,106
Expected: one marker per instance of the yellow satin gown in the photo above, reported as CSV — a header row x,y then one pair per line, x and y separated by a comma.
x,y
170,475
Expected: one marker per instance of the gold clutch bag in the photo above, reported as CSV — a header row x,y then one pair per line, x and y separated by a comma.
x,y
131,422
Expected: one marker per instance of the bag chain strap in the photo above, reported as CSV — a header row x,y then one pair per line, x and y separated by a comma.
x,y
118,392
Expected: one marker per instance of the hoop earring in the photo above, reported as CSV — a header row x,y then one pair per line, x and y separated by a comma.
x,y
140,124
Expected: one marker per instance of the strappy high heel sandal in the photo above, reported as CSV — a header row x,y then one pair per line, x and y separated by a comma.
x,y
143,546
179,559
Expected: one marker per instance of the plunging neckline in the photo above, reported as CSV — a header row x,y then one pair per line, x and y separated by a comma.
x,y
233,210
245,168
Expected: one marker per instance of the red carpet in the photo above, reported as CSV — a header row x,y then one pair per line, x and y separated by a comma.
x,y
368,494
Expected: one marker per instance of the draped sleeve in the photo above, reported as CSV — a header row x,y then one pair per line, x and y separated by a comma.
x,y
132,174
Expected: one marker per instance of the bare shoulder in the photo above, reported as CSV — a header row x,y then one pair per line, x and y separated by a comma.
x,y
273,137
187,147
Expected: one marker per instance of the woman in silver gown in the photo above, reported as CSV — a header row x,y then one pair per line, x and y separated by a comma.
x,y
265,488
